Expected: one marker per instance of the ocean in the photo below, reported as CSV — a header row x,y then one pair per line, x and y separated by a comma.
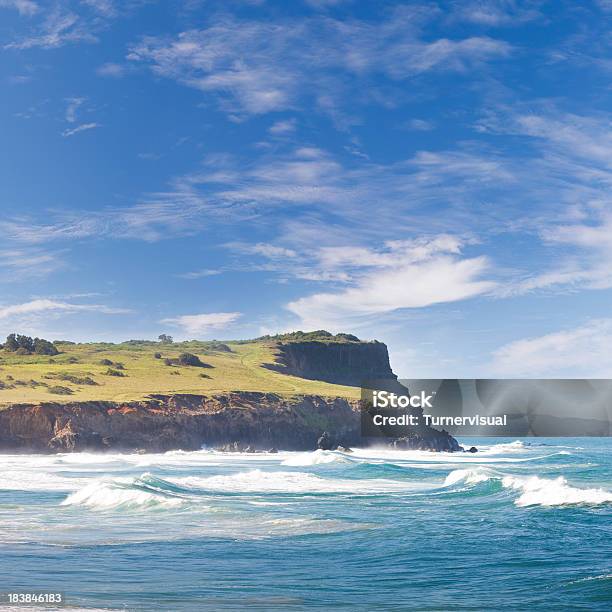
x,y
521,525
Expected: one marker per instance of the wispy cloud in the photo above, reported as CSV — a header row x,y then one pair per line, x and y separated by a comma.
x,y
25,7
73,105
197,274
80,128
24,263
257,67
285,126
203,323
497,12
111,69
58,28
582,351
45,306
405,274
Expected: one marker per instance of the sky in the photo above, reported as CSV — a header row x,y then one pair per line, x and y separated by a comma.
x,y
433,175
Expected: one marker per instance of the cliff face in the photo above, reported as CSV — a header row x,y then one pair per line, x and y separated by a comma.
x,y
347,363
258,420
184,422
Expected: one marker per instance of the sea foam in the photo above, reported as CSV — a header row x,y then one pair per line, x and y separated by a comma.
x,y
536,491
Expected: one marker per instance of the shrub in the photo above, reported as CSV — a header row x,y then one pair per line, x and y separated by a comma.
x,y
204,375
119,365
59,390
44,347
75,380
24,345
168,362
111,372
189,359
106,362
157,355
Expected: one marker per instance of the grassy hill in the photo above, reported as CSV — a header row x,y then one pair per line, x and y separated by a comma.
x,y
132,371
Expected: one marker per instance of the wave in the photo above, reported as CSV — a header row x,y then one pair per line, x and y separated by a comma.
x,y
258,481
467,477
317,457
145,491
536,491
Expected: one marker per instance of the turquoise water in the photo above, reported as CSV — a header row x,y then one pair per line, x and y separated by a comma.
x,y
523,524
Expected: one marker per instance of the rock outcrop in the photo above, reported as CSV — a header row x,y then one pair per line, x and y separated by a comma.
x,y
237,421
259,420
342,363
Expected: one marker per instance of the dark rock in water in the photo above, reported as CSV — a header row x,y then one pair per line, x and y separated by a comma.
x,y
472,449
273,450
325,442
249,449
343,449
441,441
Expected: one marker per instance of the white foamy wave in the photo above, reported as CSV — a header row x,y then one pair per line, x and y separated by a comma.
x,y
108,495
537,491
467,477
258,481
317,457
21,480
506,447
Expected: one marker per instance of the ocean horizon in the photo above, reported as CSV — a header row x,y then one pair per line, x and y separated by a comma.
x,y
522,524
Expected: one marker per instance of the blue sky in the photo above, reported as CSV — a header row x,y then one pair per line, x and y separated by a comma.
x,y
433,175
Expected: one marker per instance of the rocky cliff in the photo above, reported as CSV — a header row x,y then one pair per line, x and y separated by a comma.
x,y
185,422
343,363
260,421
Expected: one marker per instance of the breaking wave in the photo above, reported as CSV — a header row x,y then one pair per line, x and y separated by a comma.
x,y
143,492
536,491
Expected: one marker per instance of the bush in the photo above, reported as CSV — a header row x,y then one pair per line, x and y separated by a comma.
x,y
75,380
168,362
44,347
189,359
157,355
106,362
111,372
24,345
59,390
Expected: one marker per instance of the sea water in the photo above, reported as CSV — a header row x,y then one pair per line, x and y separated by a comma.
x,y
521,525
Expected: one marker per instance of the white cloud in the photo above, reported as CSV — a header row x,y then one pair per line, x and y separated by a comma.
x,y
265,250
103,7
200,274
257,67
285,126
203,323
20,263
403,275
57,29
585,351
72,107
45,306
497,12
80,128
111,69
24,7
420,125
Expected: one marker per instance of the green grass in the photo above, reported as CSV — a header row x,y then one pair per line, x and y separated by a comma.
x,y
31,378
